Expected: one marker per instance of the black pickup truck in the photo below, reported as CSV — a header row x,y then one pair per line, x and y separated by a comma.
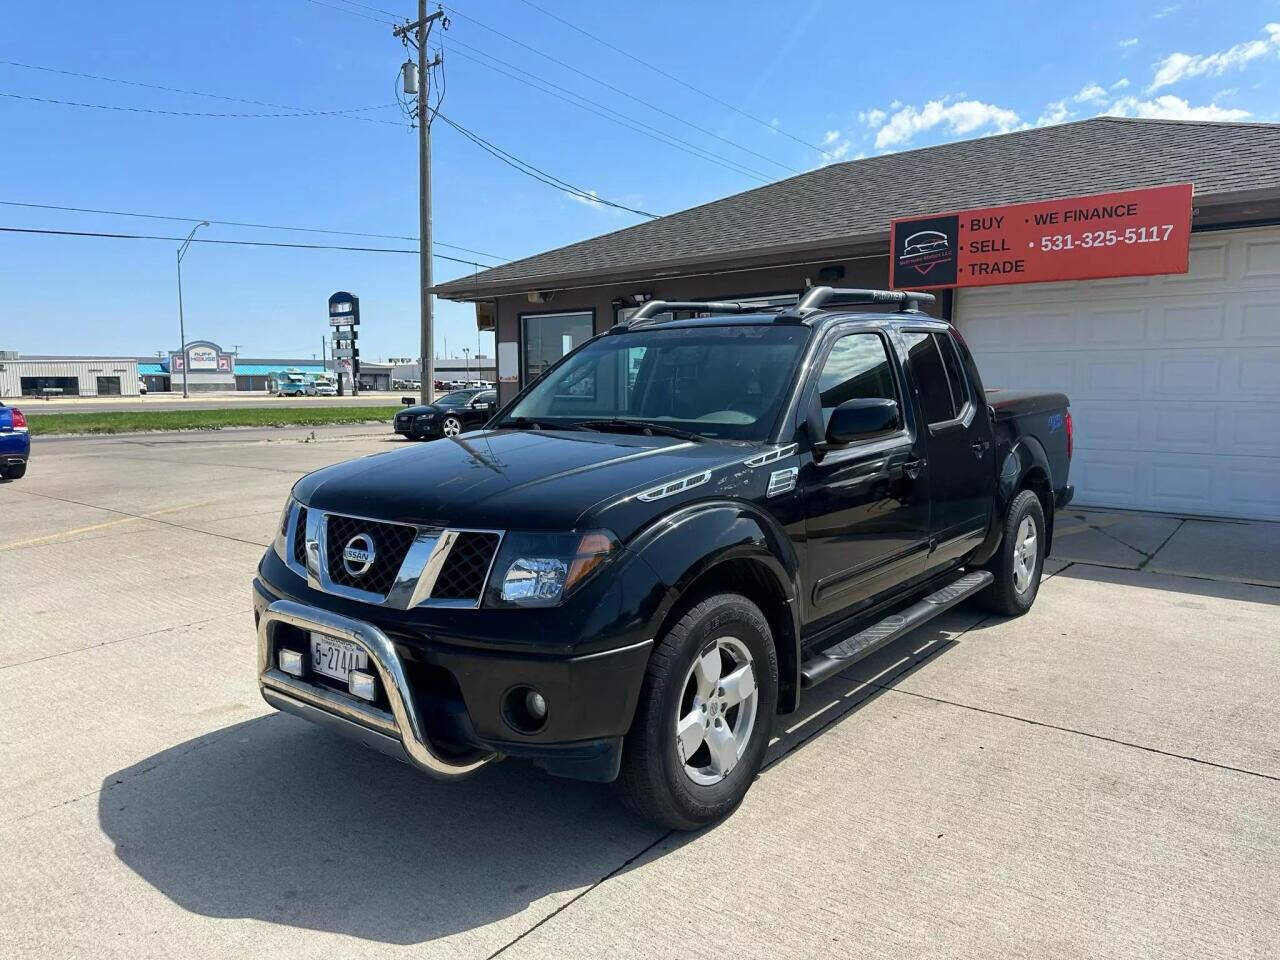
x,y
657,545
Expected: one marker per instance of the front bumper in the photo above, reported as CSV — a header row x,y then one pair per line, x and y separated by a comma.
x,y
440,707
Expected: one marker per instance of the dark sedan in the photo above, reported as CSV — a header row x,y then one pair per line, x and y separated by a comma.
x,y
448,416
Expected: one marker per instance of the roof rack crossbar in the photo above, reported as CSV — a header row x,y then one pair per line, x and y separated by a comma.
x,y
908,301
653,307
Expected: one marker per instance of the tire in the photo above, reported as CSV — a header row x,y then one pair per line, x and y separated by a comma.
x,y
673,780
1017,576
451,426
15,473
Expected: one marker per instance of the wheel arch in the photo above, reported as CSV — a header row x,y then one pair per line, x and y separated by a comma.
x,y
1025,467
744,551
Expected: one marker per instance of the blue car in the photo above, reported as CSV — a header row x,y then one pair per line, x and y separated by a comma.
x,y
15,443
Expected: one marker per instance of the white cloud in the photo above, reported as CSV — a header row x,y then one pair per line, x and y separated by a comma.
x,y
1166,11
592,201
1055,112
1180,66
1169,107
962,116
831,136
1090,93
839,151
1130,42
1120,84
873,118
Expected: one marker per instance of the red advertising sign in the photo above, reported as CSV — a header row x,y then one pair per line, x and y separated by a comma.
x,y
1128,234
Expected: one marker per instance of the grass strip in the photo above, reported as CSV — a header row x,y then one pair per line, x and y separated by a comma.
x,y
131,421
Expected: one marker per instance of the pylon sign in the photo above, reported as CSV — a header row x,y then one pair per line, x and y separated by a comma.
x,y
344,310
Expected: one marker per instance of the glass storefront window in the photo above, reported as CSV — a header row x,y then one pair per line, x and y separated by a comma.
x,y
549,336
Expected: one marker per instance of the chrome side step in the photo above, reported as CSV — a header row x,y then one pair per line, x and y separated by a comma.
x,y
820,666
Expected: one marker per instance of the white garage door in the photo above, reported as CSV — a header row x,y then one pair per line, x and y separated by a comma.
x,y
1174,380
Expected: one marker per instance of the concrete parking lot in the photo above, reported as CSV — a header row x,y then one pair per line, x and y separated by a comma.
x,y
1100,778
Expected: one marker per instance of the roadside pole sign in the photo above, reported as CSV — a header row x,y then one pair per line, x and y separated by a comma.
x,y
1131,233
344,317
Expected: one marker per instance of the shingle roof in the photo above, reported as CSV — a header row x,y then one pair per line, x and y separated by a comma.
x,y
845,203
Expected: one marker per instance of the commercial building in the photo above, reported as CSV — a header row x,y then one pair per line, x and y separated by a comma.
x,y
45,376
1174,379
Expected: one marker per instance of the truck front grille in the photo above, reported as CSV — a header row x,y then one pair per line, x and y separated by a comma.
x,y
300,539
464,572
390,543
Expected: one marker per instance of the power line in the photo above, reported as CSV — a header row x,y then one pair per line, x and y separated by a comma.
x,y
233,243
239,223
356,13
190,93
193,113
540,175
610,114
672,77
620,91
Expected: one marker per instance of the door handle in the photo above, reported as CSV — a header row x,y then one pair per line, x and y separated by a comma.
x,y
912,468
980,447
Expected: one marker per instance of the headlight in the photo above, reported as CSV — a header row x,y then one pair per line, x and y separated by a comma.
x,y
540,570
282,530
426,416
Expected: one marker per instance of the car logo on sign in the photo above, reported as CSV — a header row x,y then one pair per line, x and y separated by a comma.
x,y
358,555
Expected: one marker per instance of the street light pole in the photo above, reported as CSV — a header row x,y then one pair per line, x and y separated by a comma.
x,y
466,364
182,325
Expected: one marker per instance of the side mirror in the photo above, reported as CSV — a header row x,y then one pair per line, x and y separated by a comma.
x,y
859,418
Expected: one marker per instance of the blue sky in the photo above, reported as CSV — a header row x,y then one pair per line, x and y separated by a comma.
x,y
852,79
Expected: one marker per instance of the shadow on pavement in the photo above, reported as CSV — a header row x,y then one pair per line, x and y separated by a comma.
x,y
280,821
277,820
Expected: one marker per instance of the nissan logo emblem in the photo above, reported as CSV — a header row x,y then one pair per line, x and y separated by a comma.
x,y
358,555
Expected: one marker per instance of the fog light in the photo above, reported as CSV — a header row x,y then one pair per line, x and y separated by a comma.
x,y
362,685
524,709
536,704
291,662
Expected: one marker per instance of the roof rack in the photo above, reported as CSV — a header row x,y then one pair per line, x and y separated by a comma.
x,y
819,298
653,307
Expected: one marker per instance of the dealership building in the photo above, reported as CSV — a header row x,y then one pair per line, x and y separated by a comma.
x,y
1174,377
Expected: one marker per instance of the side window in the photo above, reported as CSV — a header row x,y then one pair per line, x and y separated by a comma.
x,y
930,376
856,368
955,371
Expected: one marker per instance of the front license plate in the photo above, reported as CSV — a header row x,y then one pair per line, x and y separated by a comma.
x,y
336,658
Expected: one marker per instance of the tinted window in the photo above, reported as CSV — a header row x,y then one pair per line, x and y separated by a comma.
x,y
856,368
456,399
930,377
955,371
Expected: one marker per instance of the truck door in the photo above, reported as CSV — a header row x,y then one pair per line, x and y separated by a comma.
x,y
866,504
961,460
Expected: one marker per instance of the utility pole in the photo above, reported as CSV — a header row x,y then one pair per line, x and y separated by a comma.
x,y
416,33
182,323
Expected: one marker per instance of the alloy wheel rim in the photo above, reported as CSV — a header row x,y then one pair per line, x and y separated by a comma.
x,y
716,714
452,427
1024,555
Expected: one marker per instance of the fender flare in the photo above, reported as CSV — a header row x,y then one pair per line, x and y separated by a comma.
x,y
1025,455
728,530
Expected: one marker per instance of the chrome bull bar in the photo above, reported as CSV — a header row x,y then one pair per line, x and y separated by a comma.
x,y
402,724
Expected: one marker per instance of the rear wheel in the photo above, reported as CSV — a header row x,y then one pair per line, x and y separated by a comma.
x,y
1019,561
703,721
16,472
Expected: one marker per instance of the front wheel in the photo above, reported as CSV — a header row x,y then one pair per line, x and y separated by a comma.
x,y
1019,561
703,721
451,426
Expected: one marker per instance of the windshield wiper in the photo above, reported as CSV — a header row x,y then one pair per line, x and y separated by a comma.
x,y
640,426
528,423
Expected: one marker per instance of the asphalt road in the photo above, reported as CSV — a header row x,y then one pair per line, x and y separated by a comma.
x,y
1098,779
217,402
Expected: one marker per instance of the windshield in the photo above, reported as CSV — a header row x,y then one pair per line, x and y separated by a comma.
x,y
725,382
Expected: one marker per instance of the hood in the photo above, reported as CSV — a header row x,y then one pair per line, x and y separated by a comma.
x,y
420,408
513,479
